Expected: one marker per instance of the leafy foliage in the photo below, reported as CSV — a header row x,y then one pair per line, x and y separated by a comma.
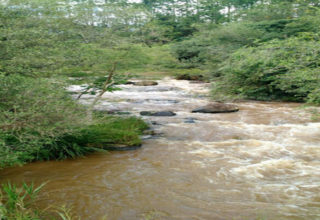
x,y
51,38
270,52
34,113
39,121
279,69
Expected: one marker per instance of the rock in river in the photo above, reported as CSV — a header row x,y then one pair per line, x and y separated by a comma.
x,y
190,120
161,113
216,108
121,147
145,83
186,76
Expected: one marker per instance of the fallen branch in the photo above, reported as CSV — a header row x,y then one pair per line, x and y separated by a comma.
x,y
108,83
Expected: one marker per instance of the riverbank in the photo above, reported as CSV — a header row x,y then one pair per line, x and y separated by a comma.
x,y
40,121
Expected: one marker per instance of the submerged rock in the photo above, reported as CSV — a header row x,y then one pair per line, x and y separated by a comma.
x,y
190,120
161,113
151,134
145,83
155,123
217,108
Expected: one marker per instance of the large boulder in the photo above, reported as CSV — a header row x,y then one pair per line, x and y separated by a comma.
x,y
216,108
160,113
145,83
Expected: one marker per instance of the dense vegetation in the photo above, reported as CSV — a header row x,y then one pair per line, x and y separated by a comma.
x,y
40,121
267,51
263,50
265,72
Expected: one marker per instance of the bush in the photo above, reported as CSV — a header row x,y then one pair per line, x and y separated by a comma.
x,y
279,69
109,131
39,121
214,44
188,51
34,114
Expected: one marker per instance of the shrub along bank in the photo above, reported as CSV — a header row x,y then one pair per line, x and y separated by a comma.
x,y
39,121
276,70
270,51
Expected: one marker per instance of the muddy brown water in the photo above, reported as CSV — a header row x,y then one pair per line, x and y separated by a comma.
x,y
262,162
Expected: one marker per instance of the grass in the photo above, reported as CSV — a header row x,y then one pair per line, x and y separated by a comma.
x,y
20,203
109,131
112,131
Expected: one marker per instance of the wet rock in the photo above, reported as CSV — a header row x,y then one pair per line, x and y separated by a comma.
x,y
151,134
155,123
145,83
197,77
216,108
161,113
121,147
129,83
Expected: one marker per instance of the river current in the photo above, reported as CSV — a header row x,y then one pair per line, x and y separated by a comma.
x,y
262,162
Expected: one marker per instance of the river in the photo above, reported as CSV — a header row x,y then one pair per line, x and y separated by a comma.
x,y
262,162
